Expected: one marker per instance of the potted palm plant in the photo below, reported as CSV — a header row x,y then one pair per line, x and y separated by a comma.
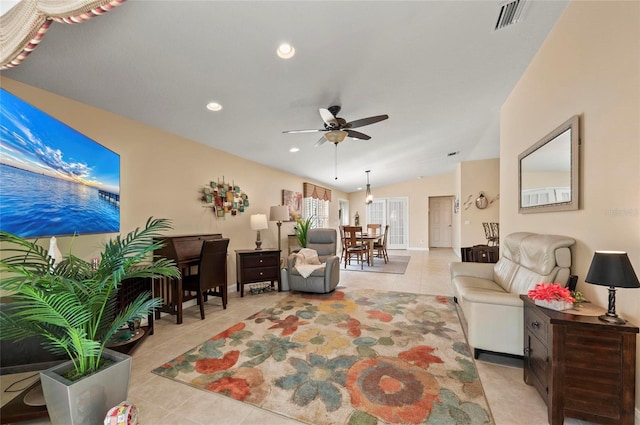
x,y
71,306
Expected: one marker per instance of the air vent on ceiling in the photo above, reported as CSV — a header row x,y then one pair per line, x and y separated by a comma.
x,y
510,13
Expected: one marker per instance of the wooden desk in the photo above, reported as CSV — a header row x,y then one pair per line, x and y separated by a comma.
x,y
185,251
253,266
582,367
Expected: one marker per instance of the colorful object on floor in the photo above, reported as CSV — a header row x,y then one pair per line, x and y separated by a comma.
x,y
123,414
358,357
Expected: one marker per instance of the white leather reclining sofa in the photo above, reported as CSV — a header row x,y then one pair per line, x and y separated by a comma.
x,y
489,294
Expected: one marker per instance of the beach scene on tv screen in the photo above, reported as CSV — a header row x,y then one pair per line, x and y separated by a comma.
x,y
54,181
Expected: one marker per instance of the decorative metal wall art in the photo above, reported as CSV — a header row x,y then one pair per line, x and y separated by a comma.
x,y
224,198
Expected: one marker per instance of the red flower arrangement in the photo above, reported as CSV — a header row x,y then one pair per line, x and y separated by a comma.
x,y
551,292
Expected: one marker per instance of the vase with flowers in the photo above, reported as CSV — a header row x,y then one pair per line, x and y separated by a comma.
x,y
552,296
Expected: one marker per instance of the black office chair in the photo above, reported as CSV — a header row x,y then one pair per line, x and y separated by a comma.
x,y
212,273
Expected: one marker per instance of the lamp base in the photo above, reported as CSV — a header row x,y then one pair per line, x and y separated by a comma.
x,y
258,241
615,319
610,316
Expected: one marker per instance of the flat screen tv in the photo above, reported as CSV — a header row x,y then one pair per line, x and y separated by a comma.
x,y
54,181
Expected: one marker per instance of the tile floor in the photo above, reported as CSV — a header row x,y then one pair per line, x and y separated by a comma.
x,y
164,402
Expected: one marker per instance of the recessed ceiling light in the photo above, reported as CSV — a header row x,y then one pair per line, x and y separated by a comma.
x,y
214,106
286,51
294,150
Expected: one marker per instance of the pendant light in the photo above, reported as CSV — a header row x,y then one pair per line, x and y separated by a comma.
x,y
368,196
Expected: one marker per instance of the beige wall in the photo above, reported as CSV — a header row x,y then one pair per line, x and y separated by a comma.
x,y
162,175
475,177
589,65
418,192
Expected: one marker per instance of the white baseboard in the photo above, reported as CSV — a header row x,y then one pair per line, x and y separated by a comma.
x,y
417,249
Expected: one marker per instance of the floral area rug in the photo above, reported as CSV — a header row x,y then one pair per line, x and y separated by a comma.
x,y
360,357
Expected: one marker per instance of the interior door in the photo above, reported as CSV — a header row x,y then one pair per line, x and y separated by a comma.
x,y
440,219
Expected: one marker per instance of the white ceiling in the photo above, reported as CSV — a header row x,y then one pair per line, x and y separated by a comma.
x,y
437,68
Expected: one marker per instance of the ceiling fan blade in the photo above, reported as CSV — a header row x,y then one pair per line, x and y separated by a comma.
x,y
304,131
321,141
357,135
328,117
366,121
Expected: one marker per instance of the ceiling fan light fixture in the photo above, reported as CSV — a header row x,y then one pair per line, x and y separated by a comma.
x,y
286,51
368,196
335,136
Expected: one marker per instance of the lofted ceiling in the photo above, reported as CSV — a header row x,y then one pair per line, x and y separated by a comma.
x,y
437,68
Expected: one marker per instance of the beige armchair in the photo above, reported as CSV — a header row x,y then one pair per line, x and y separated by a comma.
x,y
324,279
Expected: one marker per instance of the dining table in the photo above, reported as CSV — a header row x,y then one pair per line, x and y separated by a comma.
x,y
370,240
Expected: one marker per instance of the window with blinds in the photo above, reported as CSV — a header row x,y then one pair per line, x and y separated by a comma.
x,y
315,203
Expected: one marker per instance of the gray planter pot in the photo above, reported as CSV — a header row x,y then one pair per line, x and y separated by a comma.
x,y
87,400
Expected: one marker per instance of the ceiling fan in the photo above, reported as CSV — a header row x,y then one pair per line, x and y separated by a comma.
x,y
336,129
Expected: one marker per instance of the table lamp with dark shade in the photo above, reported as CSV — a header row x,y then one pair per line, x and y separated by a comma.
x,y
612,269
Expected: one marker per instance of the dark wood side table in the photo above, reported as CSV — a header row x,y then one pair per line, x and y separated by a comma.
x,y
582,367
253,266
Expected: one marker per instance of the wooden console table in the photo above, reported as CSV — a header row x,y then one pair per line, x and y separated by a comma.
x,y
253,266
582,367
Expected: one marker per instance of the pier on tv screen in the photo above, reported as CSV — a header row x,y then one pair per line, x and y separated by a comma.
x,y
54,181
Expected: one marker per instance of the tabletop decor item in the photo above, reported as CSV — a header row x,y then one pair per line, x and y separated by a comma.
x,y
552,295
72,306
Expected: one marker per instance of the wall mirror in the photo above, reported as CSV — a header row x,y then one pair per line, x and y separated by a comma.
x,y
548,171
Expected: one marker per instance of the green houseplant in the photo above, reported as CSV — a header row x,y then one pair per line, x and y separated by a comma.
x,y
301,229
71,305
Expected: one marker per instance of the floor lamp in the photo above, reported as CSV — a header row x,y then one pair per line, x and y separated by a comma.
x,y
279,214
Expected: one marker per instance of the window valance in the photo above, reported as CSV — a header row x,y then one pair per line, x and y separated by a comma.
x,y
24,25
310,190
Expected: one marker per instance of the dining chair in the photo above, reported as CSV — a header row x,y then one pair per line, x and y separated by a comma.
x,y
491,233
342,242
355,245
211,278
381,247
373,229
